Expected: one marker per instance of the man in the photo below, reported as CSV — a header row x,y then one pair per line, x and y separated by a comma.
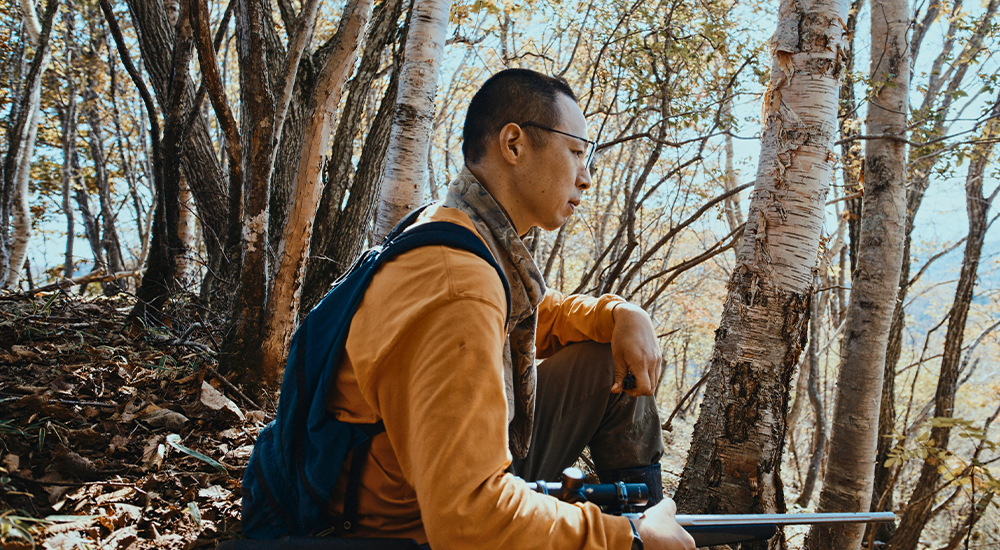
x,y
432,354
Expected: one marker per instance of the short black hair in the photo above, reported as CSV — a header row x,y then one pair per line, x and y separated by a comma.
x,y
513,95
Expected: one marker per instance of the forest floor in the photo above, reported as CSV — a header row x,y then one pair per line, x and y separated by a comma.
x,y
101,430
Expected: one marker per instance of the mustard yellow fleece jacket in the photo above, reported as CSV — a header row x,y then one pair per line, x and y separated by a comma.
x,y
424,355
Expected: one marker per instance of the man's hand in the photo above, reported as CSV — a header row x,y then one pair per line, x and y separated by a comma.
x,y
635,349
659,531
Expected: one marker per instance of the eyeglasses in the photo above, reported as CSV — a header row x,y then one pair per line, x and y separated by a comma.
x,y
589,154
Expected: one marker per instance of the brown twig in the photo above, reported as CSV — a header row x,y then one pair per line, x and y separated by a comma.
x,y
667,425
92,277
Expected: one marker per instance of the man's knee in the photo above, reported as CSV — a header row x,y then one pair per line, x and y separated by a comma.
x,y
584,368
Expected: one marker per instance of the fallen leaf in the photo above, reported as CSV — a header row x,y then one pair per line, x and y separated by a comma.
x,y
124,493
216,401
66,541
11,462
257,417
174,441
153,453
240,453
117,443
121,538
24,353
214,492
166,418
231,433
77,466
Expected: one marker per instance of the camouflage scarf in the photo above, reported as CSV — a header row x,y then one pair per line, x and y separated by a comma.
x,y
527,287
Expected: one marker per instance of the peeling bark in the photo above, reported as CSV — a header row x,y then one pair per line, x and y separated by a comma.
x,y
339,234
240,346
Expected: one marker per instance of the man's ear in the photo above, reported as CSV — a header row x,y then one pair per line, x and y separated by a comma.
x,y
512,142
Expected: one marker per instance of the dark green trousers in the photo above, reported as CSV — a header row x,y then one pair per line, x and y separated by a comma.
x,y
575,408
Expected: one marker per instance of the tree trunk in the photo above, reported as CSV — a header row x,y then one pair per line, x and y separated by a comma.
x,y
20,149
20,214
920,505
206,179
109,238
281,310
847,485
735,457
226,262
815,399
91,229
158,282
69,139
187,234
406,163
241,347
851,151
339,234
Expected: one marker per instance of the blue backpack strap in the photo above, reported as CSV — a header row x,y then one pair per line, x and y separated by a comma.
x,y
404,223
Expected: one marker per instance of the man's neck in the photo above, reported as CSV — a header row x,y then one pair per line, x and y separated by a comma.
x,y
486,179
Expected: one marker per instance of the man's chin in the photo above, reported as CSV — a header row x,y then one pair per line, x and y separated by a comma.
x,y
554,225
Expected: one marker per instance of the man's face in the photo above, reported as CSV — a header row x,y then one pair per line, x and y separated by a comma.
x,y
550,181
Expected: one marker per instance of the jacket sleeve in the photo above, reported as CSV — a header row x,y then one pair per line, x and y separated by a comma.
x,y
564,319
440,391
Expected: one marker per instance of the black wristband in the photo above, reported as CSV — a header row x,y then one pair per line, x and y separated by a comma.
x,y
636,539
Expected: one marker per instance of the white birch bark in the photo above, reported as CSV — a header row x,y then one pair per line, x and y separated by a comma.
x,y
281,310
31,24
20,214
736,450
406,160
186,229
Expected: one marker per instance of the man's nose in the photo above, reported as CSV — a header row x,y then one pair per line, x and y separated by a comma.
x,y
583,180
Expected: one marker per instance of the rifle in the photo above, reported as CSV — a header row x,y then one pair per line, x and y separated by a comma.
x,y
708,529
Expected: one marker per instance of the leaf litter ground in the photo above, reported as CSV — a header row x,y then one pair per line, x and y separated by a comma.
x,y
114,439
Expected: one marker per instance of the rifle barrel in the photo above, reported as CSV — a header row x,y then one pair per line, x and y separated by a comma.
x,y
719,520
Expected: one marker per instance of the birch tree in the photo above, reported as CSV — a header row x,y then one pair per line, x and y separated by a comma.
x,y
406,161
735,456
21,147
847,485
